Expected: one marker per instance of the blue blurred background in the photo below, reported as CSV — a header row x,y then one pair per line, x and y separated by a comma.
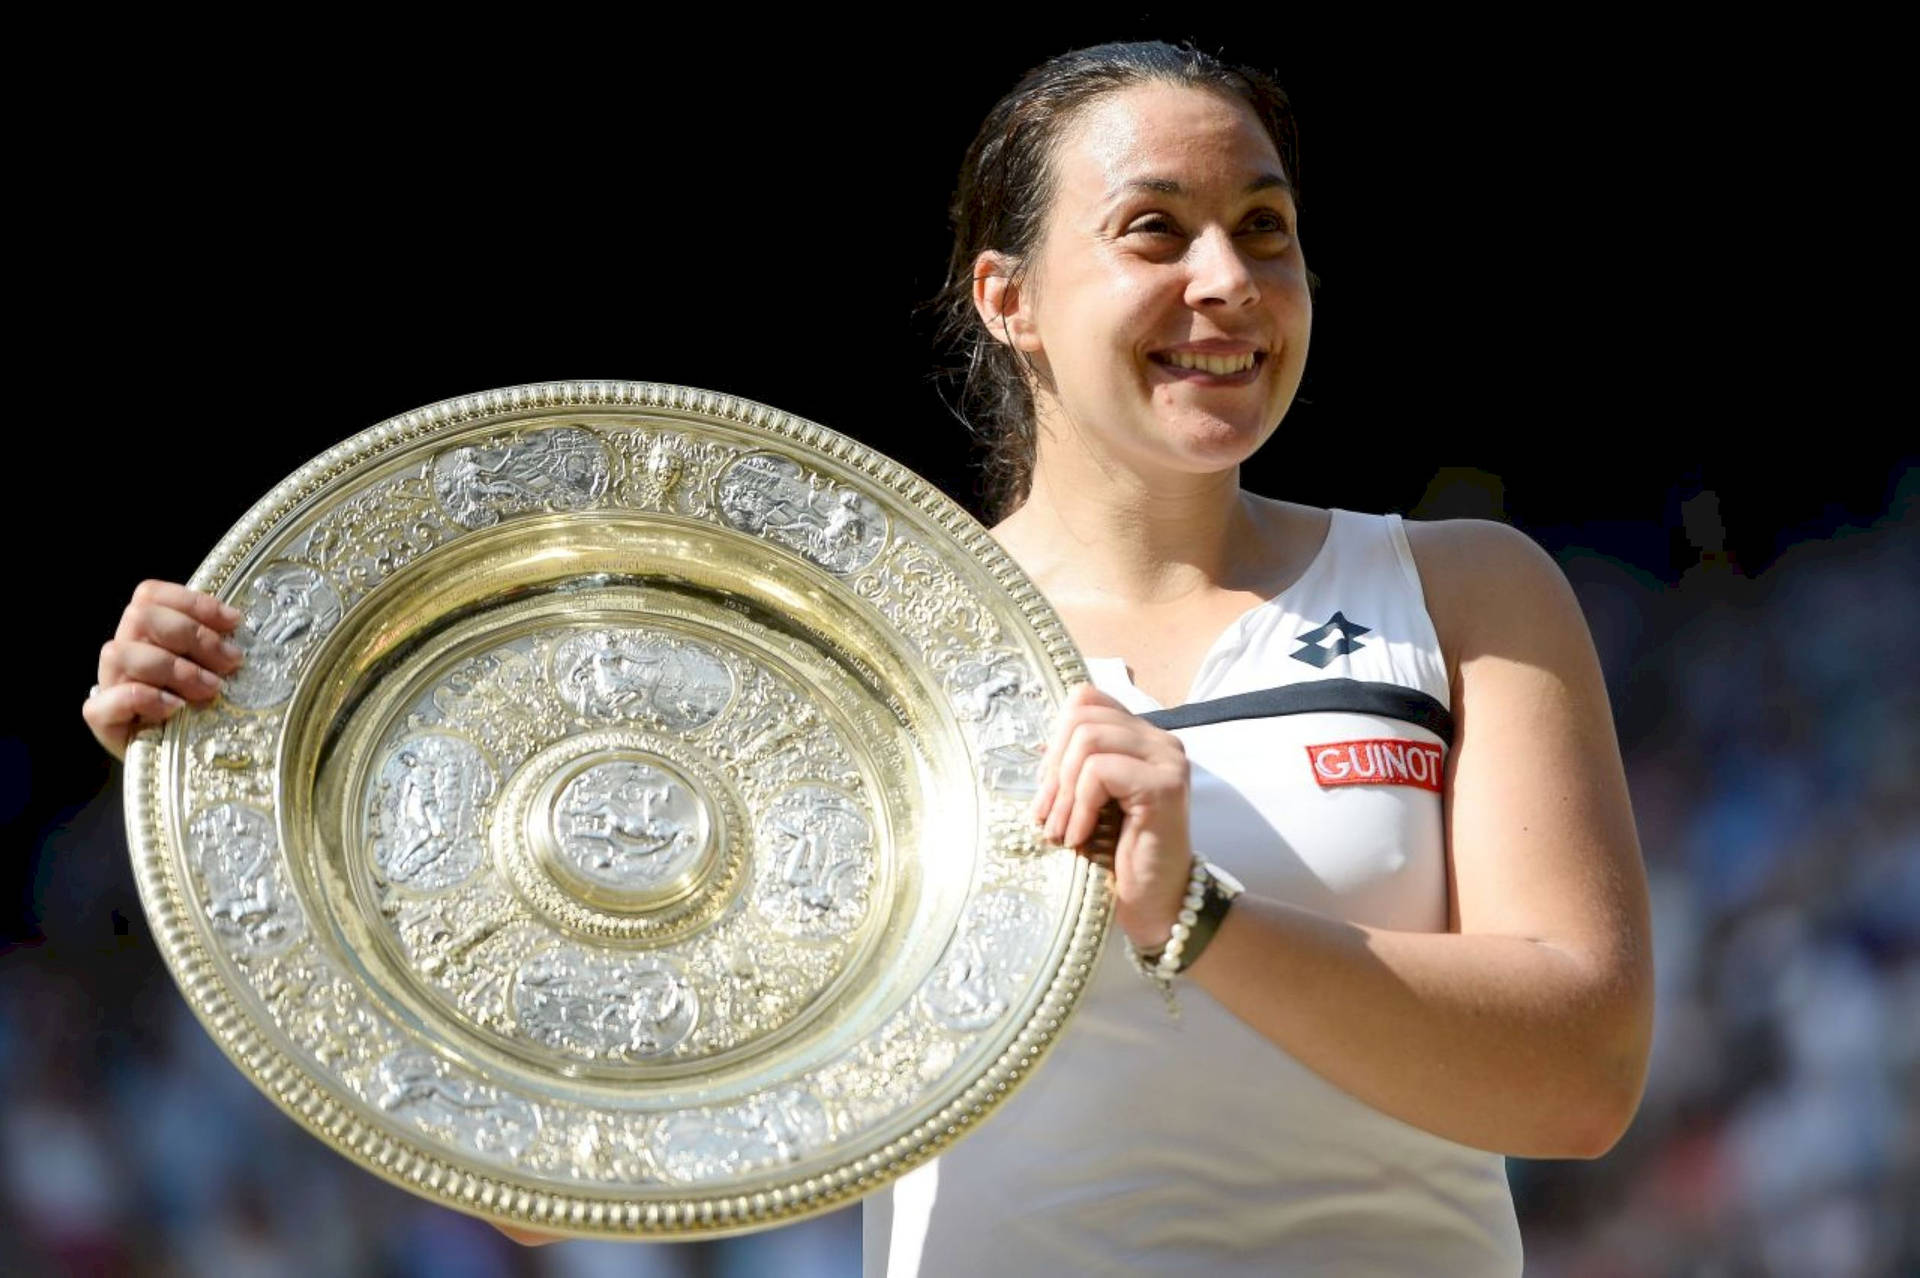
x,y
1559,268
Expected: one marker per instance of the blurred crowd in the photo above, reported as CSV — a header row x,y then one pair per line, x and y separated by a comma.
x,y
1771,732
1769,728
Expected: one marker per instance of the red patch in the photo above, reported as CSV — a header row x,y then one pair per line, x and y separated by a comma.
x,y
1377,761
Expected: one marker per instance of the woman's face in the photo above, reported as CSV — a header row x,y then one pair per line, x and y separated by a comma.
x,y
1168,298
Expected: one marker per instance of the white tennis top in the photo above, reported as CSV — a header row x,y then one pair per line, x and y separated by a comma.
x,y
1148,1145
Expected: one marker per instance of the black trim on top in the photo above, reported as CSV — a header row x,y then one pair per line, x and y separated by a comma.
x,y
1389,700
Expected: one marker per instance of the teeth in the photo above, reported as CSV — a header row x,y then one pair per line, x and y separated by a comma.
x,y
1219,365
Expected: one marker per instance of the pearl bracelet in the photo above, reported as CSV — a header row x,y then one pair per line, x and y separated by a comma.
x,y
1162,967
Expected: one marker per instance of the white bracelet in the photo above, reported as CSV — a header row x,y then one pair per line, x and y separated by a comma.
x,y
1162,967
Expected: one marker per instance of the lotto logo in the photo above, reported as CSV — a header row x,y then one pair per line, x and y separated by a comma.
x,y
1380,761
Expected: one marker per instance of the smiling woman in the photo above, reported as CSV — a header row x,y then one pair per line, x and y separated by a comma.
x,y
1428,966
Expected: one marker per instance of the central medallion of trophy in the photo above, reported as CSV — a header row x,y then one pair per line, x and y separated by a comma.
x,y
631,830
620,833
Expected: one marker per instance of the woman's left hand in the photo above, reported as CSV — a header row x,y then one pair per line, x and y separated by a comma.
x,y
1101,751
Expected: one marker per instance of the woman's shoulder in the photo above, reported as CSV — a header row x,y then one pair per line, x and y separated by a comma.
x,y
1481,577
1286,535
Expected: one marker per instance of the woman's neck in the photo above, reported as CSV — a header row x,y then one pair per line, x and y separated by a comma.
x,y
1114,538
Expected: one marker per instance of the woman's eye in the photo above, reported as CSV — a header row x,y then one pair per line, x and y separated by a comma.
x,y
1268,224
1155,225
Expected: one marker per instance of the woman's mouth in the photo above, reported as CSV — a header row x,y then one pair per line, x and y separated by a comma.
x,y
1208,369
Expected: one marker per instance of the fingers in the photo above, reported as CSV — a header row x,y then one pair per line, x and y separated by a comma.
x,y
1104,758
197,604
171,648
1085,703
114,714
1100,777
1084,740
131,661
1100,732
187,622
529,1237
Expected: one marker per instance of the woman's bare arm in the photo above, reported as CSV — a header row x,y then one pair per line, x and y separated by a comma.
x,y
1527,1029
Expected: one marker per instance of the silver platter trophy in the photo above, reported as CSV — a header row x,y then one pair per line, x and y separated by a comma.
x,y
617,827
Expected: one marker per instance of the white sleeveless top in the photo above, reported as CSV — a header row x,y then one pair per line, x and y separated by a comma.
x,y
1148,1145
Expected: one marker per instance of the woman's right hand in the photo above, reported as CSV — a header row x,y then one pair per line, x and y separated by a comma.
x,y
172,647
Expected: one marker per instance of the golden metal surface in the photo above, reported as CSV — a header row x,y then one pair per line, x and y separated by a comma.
x,y
618,825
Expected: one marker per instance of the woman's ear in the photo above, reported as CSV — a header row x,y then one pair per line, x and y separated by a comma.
x,y
1002,298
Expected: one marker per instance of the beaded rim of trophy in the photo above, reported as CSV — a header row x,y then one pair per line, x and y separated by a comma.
x,y
617,827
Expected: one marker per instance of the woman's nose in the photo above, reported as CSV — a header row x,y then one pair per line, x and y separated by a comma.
x,y
1219,272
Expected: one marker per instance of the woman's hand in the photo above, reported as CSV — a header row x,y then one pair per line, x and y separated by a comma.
x,y
528,1237
1102,752
171,648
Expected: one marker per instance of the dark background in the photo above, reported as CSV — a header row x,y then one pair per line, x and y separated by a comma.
x,y
1606,271
1620,288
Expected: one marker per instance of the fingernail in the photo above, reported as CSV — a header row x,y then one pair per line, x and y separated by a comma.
x,y
170,701
231,649
231,613
213,681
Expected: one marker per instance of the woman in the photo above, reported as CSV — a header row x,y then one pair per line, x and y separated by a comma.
x,y
1441,955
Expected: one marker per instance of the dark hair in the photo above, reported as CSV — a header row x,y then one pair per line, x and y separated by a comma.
x,y
1005,187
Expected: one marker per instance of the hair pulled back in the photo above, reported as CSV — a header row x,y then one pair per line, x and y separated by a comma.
x,y
1005,188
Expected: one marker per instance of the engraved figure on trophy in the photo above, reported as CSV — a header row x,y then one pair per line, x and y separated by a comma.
x,y
427,812
846,524
234,757
238,851
780,737
999,940
631,674
813,880
604,1006
660,469
837,526
626,824
772,730
992,692
290,608
562,469
766,1130
414,1082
